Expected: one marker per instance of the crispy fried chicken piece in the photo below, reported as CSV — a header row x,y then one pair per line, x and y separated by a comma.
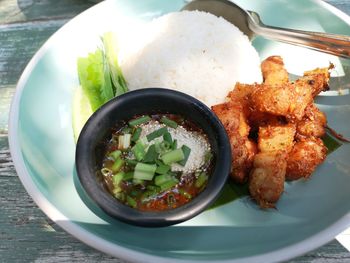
x,y
305,156
276,137
266,181
289,100
313,123
232,116
317,80
273,71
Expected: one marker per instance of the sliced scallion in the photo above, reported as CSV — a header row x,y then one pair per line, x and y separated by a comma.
x,y
139,121
167,137
169,184
131,201
162,168
202,178
144,171
128,176
136,134
124,141
115,154
186,150
161,179
174,145
139,150
151,155
169,122
173,156
156,133
117,165
117,178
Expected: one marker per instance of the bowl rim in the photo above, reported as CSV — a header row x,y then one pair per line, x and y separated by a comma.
x,y
118,210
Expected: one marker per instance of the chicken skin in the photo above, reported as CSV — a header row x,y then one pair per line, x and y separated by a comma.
x,y
232,116
305,156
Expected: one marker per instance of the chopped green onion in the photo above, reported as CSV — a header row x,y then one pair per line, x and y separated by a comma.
x,y
139,121
168,122
156,133
128,176
167,138
136,134
162,168
139,150
126,130
169,184
131,201
117,178
117,165
144,171
165,146
174,145
115,154
186,150
161,179
173,156
131,162
151,155
124,141
202,178
185,194
106,172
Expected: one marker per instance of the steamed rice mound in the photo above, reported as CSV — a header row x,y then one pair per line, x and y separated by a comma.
x,y
193,52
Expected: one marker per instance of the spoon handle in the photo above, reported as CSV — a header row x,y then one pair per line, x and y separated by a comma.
x,y
338,45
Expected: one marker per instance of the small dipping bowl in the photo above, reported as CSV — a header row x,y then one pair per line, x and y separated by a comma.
x,y
89,152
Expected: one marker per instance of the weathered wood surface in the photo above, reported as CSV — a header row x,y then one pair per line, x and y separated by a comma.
x,y
26,234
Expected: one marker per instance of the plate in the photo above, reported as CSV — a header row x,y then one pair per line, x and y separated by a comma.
x,y
309,214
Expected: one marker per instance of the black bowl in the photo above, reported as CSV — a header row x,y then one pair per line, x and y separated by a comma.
x,y
147,101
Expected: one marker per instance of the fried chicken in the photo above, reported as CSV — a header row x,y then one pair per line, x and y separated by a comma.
x,y
305,156
275,129
313,123
266,181
273,71
232,116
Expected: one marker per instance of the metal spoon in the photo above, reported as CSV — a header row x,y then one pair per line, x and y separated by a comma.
x,y
250,24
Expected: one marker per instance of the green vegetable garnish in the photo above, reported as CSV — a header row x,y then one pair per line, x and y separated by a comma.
x,y
111,47
156,134
144,171
139,121
186,150
169,122
93,80
173,156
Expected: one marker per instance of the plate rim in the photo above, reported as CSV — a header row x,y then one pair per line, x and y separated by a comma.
x,y
113,249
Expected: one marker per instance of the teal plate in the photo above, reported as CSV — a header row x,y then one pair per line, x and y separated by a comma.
x,y
309,214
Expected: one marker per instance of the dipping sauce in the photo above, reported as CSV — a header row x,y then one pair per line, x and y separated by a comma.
x,y
157,162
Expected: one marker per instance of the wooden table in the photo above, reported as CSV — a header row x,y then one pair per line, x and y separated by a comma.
x,y
26,234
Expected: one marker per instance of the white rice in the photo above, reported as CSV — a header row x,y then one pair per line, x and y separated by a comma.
x,y
193,52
